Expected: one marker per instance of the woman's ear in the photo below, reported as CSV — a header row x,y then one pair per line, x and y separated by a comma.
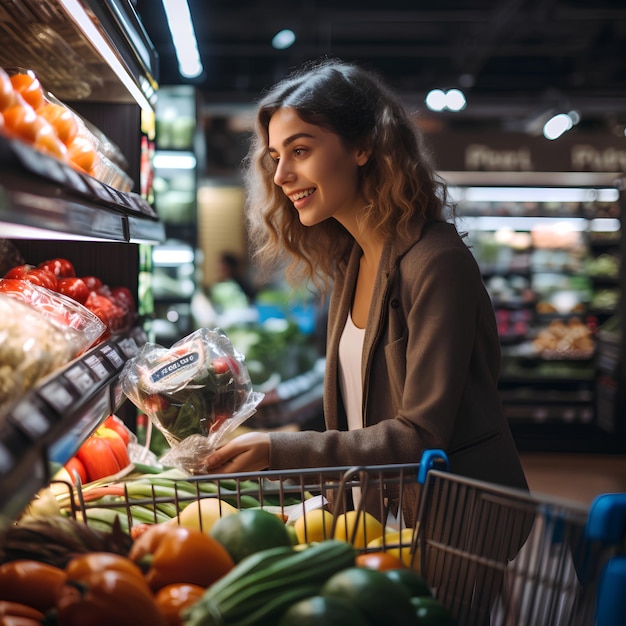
x,y
362,155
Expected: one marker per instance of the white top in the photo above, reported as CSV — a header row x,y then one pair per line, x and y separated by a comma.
x,y
350,356
350,353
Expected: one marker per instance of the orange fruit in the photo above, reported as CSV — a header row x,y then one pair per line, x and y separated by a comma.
x,y
7,93
82,154
48,142
380,561
62,119
28,85
22,120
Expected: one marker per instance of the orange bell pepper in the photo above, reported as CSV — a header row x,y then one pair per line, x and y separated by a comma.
x,y
17,609
107,596
177,554
31,582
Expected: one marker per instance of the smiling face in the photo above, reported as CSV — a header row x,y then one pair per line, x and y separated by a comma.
x,y
315,169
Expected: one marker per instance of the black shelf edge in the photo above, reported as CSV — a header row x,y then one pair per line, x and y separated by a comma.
x,y
51,421
40,197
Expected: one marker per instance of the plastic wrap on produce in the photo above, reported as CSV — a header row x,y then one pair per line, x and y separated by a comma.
x,y
79,327
30,347
196,393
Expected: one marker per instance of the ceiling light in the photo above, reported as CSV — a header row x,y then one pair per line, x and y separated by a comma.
x,y
436,100
452,100
183,37
559,124
455,100
283,39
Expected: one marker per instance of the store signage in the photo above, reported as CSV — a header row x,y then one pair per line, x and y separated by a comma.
x,y
518,152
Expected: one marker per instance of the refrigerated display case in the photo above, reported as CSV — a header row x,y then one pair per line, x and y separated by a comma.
x,y
549,247
96,58
175,195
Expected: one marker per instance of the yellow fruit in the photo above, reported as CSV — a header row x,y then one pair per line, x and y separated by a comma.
x,y
358,528
315,525
398,543
202,514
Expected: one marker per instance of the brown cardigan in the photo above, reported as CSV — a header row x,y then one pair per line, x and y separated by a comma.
x,y
431,361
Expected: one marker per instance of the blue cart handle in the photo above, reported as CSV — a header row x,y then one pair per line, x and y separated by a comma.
x,y
430,460
607,518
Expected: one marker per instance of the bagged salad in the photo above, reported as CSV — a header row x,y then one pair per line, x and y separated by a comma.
x,y
196,393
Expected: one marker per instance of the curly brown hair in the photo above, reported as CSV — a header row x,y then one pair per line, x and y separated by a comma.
x,y
398,182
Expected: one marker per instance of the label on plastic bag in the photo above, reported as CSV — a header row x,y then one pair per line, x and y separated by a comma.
x,y
179,370
176,368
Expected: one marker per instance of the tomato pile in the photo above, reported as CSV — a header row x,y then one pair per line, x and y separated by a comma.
x,y
27,114
114,306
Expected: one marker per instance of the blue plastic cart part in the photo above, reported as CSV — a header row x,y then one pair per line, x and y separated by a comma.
x,y
607,518
432,459
607,523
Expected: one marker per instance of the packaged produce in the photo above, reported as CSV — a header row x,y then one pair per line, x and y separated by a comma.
x,y
31,347
34,115
196,393
79,326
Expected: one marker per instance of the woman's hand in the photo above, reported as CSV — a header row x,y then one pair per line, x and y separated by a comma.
x,y
247,453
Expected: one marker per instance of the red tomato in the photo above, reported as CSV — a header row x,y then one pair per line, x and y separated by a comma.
x,y
107,310
93,282
43,278
125,296
155,404
19,271
14,285
75,466
115,423
74,288
218,420
34,275
61,268
220,365
173,599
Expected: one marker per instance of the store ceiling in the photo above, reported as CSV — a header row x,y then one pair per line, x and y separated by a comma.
x,y
515,59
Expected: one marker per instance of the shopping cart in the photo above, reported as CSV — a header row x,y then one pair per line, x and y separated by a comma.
x,y
504,557
491,555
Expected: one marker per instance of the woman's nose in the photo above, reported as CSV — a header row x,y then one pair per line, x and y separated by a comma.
x,y
283,174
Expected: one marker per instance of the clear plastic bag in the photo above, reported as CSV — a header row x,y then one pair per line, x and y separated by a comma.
x,y
78,325
30,347
196,393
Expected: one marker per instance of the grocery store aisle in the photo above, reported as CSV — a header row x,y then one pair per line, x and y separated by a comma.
x,y
577,477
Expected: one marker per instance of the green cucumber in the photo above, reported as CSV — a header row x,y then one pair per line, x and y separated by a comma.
x,y
261,586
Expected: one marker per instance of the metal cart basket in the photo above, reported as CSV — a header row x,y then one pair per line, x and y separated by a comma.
x,y
492,555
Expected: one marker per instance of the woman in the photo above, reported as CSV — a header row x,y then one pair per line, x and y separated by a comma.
x,y
337,178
